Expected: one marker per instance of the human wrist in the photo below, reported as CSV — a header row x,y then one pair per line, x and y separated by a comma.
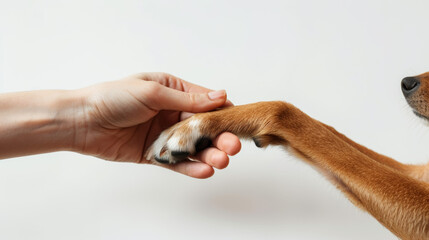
x,y
38,122
70,119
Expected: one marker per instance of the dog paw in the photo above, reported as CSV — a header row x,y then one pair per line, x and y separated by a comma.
x,y
179,142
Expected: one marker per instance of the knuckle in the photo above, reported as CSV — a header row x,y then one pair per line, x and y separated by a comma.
x,y
193,102
140,75
152,88
151,92
165,75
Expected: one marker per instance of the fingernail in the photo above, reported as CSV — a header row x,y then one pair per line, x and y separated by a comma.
x,y
217,94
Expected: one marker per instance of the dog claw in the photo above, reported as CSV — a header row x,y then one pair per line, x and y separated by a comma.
x,y
180,154
257,142
202,144
161,160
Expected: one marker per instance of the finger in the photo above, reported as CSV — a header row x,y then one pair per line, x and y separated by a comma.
x,y
225,144
194,88
191,169
174,82
228,143
171,81
186,115
159,97
228,103
213,157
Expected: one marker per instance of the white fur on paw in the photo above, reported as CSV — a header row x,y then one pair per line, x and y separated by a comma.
x,y
177,143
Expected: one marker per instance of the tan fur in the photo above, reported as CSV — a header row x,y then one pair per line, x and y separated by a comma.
x,y
397,195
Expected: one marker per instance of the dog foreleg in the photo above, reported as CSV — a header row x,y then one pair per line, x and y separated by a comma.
x,y
375,183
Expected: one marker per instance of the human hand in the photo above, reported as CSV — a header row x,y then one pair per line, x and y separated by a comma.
x,y
121,119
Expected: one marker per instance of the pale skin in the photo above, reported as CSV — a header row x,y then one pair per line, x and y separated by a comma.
x,y
116,121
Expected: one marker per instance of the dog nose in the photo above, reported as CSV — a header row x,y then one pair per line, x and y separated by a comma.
x,y
409,85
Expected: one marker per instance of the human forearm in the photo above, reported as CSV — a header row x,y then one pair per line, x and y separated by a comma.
x,y
38,122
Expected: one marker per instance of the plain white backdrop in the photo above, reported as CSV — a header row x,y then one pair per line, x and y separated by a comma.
x,y
339,61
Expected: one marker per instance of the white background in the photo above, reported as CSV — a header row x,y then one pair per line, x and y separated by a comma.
x,y
339,61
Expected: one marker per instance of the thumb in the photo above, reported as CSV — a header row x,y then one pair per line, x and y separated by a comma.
x,y
170,99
